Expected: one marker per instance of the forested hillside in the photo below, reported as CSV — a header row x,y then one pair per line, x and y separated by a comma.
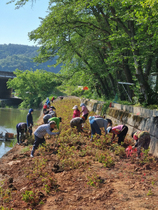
x,y
14,56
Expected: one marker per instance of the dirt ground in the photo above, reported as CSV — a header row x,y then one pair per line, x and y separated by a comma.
x,y
72,173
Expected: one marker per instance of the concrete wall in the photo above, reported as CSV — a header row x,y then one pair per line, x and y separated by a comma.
x,y
136,118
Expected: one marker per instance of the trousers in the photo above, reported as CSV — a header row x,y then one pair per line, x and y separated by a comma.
x,y
37,142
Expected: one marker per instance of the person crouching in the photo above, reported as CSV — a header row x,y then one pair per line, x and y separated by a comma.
x,y
142,139
77,122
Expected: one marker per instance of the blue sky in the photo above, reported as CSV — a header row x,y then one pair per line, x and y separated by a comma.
x,y
16,23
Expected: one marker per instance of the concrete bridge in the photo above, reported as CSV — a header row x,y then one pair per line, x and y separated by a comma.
x,y
4,92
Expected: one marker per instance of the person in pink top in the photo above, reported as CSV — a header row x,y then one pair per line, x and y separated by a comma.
x,y
84,111
76,112
120,131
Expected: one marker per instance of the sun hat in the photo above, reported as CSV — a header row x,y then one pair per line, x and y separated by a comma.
x,y
75,107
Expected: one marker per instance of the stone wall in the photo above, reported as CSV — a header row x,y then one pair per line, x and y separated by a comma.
x,y
136,118
93,105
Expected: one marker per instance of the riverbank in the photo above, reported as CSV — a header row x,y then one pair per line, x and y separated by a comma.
x,y
70,172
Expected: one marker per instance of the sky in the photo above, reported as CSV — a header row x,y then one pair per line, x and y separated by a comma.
x,y
16,23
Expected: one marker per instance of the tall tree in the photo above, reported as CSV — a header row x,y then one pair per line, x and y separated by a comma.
x,y
103,38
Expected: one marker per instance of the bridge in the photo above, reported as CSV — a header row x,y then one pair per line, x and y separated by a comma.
x,y
4,92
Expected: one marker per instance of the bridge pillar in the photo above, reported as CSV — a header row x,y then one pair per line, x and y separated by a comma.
x,y
4,92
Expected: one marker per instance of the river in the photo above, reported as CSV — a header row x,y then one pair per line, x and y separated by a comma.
x,y
9,118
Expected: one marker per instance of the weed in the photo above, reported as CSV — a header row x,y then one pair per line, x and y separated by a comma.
x,y
145,157
106,159
31,197
94,180
5,208
7,196
48,184
120,151
150,193
25,149
152,182
41,202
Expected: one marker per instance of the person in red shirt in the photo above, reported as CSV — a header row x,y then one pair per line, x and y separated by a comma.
x,y
53,98
76,112
45,109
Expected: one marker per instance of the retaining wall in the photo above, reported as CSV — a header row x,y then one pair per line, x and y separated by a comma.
x,y
136,118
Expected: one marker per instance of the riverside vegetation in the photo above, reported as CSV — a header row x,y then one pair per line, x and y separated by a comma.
x,y
70,172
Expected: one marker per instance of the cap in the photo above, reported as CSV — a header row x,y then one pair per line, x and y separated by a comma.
x,y
108,129
91,118
82,104
75,107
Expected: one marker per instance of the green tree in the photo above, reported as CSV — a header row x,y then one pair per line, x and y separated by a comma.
x,y
109,40
33,87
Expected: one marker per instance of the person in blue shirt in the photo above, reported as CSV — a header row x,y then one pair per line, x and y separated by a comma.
x,y
39,134
48,102
96,124
21,129
29,120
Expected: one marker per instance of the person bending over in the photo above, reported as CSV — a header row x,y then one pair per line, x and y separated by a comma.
x,y
56,119
142,139
48,116
120,131
77,122
39,134
96,124
21,129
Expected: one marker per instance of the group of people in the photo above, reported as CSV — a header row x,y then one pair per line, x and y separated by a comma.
x,y
78,121
97,122
51,121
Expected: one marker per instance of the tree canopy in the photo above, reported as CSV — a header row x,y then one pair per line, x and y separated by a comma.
x,y
33,87
102,43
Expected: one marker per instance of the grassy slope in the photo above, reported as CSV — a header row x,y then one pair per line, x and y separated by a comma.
x,y
70,172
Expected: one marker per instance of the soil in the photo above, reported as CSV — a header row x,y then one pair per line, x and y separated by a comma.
x,y
70,179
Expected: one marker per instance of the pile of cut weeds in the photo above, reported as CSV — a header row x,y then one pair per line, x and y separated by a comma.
x,y
70,172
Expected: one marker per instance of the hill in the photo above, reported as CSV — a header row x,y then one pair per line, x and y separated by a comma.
x,y
72,173
14,56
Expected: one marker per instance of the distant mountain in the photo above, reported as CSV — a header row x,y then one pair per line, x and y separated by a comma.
x,y
14,56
